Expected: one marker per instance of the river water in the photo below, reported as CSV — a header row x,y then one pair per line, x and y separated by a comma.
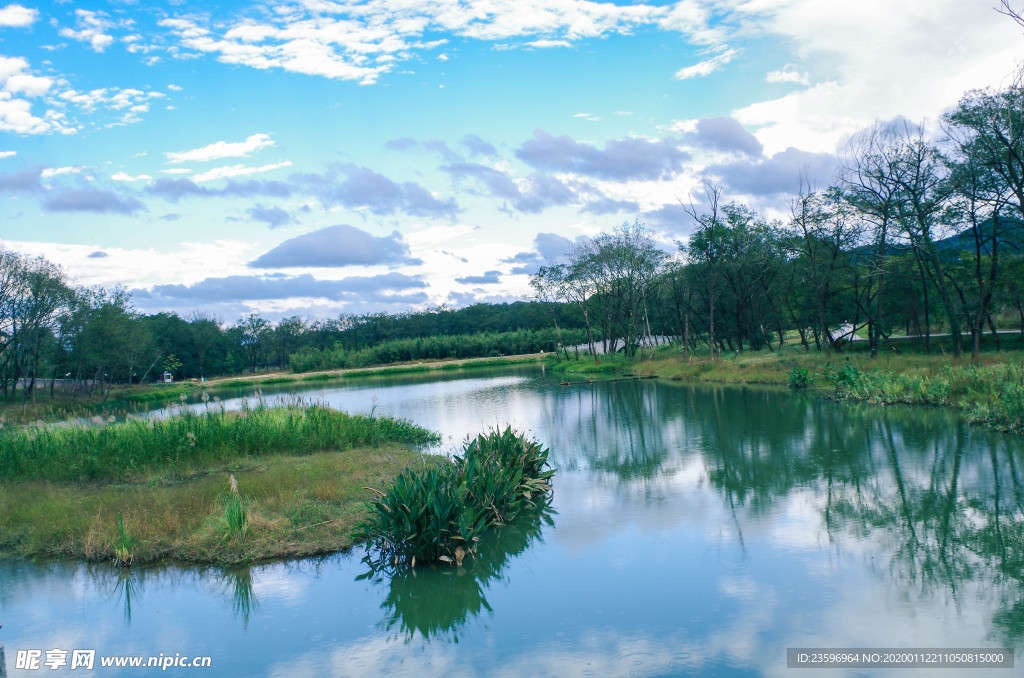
x,y
696,530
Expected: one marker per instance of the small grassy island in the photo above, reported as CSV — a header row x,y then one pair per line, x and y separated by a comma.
x,y
214,487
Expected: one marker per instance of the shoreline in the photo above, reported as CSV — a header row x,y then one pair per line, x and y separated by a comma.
x,y
990,391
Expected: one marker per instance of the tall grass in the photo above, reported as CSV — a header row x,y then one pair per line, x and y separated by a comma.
x,y
123,545
990,394
191,440
236,513
440,512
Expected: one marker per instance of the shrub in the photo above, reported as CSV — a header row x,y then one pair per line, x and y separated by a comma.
x,y
439,513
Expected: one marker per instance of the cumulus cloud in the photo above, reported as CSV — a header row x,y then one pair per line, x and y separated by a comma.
x,y
22,181
532,195
547,247
255,287
223,149
917,62
176,189
271,216
16,16
84,198
362,188
778,174
671,217
725,134
606,206
488,278
441,147
788,74
620,160
90,28
478,146
337,246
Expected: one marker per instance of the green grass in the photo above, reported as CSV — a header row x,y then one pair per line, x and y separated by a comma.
x,y
990,391
190,441
294,506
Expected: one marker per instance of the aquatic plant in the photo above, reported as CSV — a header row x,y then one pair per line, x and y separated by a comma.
x,y
192,440
799,377
438,513
123,544
236,513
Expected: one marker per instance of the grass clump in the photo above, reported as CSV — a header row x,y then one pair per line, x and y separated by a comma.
x,y
236,513
438,513
191,441
124,544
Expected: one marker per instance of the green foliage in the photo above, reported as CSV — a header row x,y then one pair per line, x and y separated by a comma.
x,y
482,344
124,544
799,377
438,513
236,513
844,375
191,440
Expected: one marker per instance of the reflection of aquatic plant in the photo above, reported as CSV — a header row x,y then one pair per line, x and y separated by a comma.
x,y
126,587
438,601
239,582
439,513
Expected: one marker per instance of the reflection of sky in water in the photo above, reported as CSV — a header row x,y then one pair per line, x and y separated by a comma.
x,y
698,531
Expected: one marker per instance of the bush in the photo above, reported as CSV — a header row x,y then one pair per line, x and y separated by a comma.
x,y
799,377
438,514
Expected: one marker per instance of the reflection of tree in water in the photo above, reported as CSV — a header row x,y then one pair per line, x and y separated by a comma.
x,y
439,601
943,501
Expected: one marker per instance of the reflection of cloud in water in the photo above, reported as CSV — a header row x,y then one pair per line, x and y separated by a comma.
x,y
592,653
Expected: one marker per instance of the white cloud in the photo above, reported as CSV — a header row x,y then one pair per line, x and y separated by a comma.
x,y
915,63
362,42
223,149
29,85
16,116
57,171
8,154
708,66
789,73
541,44
10,66
122,176
237,171
176,170
91,29
16,16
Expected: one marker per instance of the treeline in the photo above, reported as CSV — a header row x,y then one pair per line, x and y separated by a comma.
x,y
55,335
914,237
454,346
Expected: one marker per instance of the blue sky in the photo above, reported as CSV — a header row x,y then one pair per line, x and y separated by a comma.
x,y
323,157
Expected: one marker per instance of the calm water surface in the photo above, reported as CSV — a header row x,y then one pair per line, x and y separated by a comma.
x,y
697,531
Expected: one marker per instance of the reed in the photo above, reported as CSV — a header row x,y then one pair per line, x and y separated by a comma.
x,y
124,544
190,440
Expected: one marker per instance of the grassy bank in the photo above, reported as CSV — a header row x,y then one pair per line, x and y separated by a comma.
x,y
163,489
989,391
